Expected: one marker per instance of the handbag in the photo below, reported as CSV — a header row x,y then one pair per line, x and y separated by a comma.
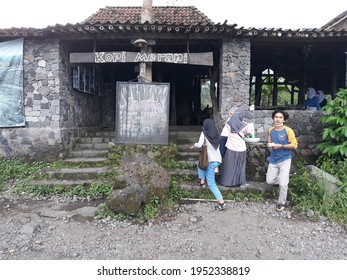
x,y
203,158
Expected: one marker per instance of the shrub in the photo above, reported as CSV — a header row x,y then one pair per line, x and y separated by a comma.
x,y
334,143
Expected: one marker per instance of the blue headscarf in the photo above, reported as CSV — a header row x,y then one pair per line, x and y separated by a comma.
x,y
236,122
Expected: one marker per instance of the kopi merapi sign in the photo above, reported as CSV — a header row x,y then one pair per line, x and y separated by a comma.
x,y
137,57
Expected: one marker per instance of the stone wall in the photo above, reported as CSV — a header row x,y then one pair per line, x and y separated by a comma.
x,y
54,112
308,131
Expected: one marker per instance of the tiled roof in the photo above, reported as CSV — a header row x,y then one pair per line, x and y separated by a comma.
x,y
220,30
174,21
335,20
166,14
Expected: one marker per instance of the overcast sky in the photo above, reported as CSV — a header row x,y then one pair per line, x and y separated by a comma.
x,y
288,14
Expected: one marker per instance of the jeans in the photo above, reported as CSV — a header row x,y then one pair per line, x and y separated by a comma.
x,y
209,176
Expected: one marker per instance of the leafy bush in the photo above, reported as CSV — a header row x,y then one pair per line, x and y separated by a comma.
x,y
334,143
306,194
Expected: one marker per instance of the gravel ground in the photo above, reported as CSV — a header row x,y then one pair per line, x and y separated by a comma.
x,y
56,229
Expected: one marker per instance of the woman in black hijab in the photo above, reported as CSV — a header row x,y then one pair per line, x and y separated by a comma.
x,y
210,137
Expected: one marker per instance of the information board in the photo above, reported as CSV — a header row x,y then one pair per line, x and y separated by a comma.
x,y
142,113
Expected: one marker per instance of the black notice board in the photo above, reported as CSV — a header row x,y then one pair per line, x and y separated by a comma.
x,y
142,113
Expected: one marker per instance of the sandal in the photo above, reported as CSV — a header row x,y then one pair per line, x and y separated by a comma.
x,y
203,185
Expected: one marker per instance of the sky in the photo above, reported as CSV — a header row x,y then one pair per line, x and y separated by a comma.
x,y
286,14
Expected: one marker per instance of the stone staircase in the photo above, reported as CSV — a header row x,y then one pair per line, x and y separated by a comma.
x,y
92,150
87,158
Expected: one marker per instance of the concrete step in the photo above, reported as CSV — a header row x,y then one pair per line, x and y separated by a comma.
x,y
91,146
85,160
68,183
253,186
78,173
89,153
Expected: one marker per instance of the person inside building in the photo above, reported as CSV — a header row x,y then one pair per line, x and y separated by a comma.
x,y
281,141
322,99
210,137
312,102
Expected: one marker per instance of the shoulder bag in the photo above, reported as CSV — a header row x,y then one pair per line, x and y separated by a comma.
x,y
203,157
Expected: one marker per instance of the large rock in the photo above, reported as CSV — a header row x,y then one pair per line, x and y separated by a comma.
x,y
138,179
330,183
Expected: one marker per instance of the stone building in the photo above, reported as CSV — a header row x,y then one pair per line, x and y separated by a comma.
x,y
67,91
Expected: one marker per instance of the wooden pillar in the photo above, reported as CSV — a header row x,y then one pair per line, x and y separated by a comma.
x,y
146,16
303,76
258,89
334,71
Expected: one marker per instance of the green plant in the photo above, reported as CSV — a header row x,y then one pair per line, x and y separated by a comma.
x,y
335,168
18,169
306,194
104,212
152,209
334,143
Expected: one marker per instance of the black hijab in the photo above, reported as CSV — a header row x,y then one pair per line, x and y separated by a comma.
x,y
236,122
211,133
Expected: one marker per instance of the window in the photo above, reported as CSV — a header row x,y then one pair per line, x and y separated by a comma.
x,y
83,80
270,90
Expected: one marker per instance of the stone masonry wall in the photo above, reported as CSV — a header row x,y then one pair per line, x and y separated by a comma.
x,y
235,65
54,113
308,131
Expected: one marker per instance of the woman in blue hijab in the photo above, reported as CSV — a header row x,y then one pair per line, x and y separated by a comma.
x,y
234,165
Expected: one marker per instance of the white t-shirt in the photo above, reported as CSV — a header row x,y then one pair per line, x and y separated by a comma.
x,y
235,142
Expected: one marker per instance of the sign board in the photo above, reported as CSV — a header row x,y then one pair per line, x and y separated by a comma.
x,y
142,113
137,57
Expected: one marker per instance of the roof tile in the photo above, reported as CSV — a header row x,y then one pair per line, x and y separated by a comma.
x,y
167,14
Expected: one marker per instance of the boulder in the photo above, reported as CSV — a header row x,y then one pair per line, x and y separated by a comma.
x,y
330,183
138,179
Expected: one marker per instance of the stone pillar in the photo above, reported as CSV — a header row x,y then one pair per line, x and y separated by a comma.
x,y
235,65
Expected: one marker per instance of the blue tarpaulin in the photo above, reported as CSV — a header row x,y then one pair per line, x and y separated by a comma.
x,y
11,83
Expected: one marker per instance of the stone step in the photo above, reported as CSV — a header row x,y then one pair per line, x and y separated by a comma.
x,y
96,139
68,183
102,133
78,173
89,153
90,146
253,186
85,160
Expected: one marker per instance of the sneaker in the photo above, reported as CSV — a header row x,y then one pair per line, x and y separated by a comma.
x,y
280,207
220,206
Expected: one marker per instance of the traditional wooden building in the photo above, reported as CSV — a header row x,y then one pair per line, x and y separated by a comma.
x,y
71,75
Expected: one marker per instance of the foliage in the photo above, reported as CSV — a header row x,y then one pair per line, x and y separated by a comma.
x,y
336,168
18,169
334,143
152,209
284,96
94,191
306,194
